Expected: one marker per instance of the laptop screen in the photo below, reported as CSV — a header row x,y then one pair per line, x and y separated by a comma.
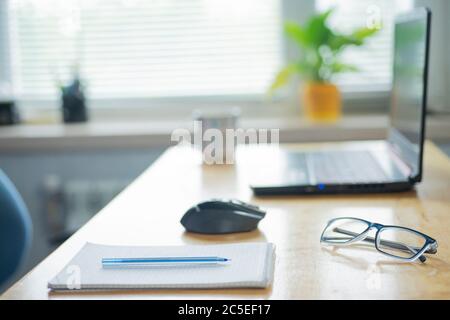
x,y
408,96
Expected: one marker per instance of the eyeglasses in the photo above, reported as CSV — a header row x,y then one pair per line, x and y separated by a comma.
x,y
395,241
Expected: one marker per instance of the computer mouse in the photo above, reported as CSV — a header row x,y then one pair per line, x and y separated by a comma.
x,y
222,216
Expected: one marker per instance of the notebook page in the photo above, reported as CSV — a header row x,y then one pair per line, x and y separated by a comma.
x,y
249,267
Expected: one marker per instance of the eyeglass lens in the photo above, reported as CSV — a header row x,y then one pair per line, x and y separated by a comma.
x,y
344,230
400,242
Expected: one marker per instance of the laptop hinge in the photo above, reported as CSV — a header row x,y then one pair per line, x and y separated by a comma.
x,y
401,164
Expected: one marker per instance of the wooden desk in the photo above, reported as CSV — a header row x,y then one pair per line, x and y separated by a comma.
x,y
149,210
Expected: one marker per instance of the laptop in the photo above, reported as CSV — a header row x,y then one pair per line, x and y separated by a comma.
x,y
395,164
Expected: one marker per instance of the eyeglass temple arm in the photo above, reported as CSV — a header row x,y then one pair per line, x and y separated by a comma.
x,y
387,243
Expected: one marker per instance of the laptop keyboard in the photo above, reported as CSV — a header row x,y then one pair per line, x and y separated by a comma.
x,y
344,167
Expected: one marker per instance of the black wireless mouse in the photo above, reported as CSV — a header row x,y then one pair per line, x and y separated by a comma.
x,y
222,216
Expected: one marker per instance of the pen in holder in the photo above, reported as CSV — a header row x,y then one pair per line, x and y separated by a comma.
x,y
74,102
8,113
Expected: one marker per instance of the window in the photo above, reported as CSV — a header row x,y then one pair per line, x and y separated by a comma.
x,y
5,86
127,49
146,48
373,60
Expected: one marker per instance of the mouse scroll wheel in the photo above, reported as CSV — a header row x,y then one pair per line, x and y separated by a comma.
x,y
197,208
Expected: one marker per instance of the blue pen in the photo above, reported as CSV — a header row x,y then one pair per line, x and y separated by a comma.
x,y
162,262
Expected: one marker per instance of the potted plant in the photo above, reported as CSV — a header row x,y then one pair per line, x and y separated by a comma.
x,y
320,52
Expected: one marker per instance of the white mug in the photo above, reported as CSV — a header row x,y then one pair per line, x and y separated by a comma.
x,y
214,135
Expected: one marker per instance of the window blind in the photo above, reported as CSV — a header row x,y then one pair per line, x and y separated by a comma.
x,y
5,88
373,60
146,48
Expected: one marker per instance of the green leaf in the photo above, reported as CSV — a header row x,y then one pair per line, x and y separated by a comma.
x,y
317,30
363,33
338,41
338,67
283,77
296,33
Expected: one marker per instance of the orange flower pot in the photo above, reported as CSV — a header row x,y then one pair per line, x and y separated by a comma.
x,y
322,102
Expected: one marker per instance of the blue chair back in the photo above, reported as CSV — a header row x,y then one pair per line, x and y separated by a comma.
x,y
15,230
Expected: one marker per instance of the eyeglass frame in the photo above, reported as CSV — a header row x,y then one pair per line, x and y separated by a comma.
x,y
430,246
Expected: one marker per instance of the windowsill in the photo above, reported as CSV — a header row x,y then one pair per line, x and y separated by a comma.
x,y
157,133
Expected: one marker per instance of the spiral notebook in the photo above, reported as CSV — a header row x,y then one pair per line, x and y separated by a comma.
x,y
251,266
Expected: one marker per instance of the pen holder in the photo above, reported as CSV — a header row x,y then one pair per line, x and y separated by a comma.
x,y
74,103
8,113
